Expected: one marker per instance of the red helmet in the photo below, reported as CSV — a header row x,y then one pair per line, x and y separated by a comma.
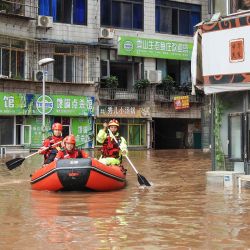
x,y
57,126
70,139
113,122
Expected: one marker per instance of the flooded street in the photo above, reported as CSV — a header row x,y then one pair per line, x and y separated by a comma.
x,y
178,212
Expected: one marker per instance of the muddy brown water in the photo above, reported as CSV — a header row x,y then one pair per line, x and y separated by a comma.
x,y
179,211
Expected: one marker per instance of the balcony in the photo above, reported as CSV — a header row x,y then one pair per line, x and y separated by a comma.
x,y
123,94
166,96
19,8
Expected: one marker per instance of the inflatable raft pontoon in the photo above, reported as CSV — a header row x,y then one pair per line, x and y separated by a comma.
x,y
78,175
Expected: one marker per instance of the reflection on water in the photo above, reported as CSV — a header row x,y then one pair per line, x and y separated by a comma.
x,y
178,212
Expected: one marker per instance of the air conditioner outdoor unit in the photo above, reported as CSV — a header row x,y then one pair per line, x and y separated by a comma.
x,y
37,75
45,21
106,33
3,76
154,76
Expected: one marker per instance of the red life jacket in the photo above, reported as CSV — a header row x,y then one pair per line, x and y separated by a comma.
x,y
76,153
110,148
54,139
49,142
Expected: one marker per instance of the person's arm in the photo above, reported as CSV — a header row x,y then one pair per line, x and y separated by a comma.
x,y
84,154
46,144
123,146
102,134
59,155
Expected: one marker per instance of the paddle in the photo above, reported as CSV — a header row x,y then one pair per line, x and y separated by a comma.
x,y
141,179
14,163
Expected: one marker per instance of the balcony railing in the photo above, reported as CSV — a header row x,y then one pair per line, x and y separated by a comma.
x,y
166,96
123,94
20,8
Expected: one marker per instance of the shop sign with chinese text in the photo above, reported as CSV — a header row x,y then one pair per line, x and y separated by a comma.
x,y
124,111
57,105
155,48
181,102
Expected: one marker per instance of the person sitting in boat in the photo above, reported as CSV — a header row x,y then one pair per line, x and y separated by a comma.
x,y
70,151
49,154
111,151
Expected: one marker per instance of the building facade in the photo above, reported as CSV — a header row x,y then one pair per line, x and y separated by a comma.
x,y
91,41
225,79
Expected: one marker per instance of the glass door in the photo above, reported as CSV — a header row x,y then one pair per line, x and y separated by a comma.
x,y
235,137
26,134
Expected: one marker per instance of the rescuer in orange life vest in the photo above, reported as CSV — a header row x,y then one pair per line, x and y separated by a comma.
x,y
70,151
50,153
111,151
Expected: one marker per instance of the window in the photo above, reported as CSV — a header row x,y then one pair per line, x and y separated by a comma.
x,y
219,6
12,58
68,66
65,11
127,14
176,18
236,5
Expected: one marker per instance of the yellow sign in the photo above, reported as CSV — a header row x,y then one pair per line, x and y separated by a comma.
x,y
181,102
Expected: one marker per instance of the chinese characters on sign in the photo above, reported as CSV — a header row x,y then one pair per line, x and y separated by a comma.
x,y
162,46
237,50
181,102
148,47
123,111
31,104
8,101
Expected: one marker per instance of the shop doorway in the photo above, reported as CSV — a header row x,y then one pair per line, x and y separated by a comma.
x,y
65,121
176,133
6,130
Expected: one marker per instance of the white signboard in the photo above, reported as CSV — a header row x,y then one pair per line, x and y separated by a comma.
x,y
226,52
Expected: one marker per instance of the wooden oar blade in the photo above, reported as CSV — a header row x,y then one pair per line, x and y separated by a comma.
x,y
142,180
14,163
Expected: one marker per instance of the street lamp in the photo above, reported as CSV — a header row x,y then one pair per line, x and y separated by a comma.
x,y
42,63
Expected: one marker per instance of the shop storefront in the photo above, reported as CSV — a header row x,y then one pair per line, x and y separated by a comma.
x,y
224,71
21,118
134,123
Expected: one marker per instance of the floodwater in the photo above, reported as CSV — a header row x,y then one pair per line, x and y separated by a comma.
x,y
179,211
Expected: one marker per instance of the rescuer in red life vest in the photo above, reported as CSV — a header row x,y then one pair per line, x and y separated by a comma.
x,y
70,150
111,151
50,153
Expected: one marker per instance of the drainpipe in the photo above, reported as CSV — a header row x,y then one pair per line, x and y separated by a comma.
x,y
212,108
245,132
148,134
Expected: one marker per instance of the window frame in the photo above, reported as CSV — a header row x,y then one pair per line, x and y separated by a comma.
x,y
177,7
50,10
76,77
19,65
109,22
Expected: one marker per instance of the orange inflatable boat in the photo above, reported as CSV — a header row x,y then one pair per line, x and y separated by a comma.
x,y
77,175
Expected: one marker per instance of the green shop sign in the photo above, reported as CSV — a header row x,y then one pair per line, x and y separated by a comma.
x,y
81,127
56,105
147,47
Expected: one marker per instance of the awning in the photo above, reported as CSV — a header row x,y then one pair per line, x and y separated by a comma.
x,y
229,87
